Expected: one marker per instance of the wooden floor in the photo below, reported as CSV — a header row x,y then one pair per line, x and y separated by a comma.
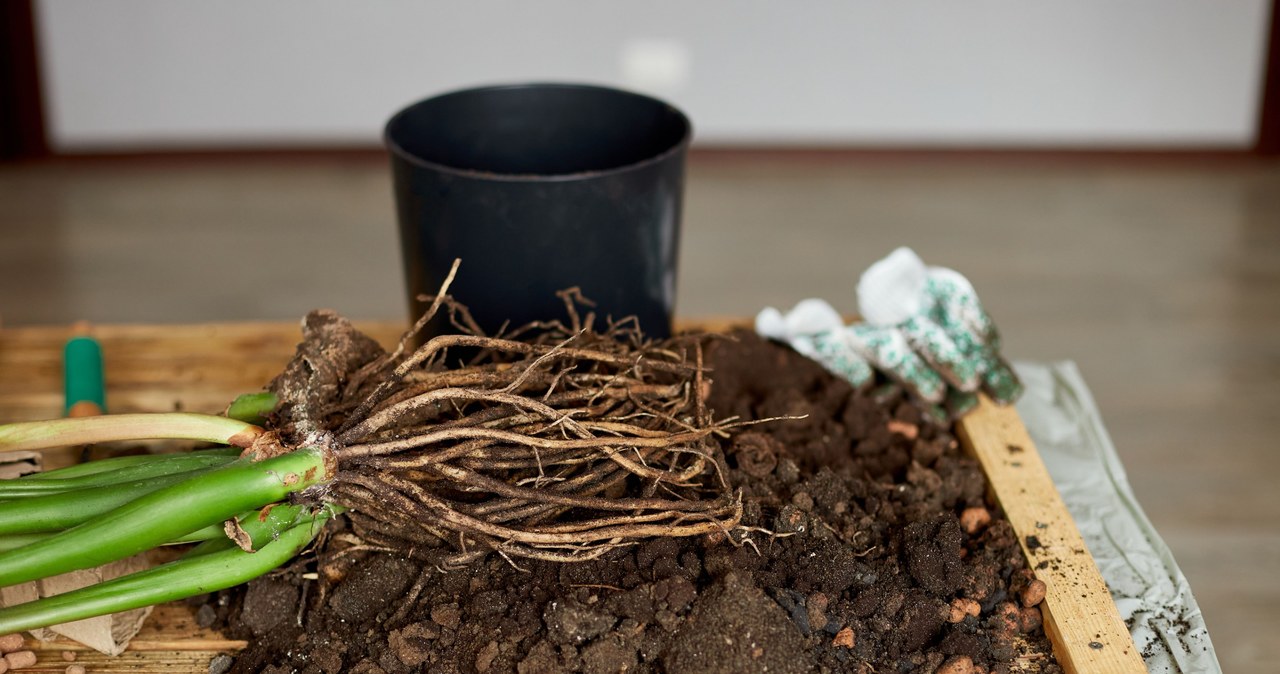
x,y
1160,277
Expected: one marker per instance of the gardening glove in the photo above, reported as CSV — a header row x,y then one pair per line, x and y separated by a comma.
x,y
937,313
925,329
815,329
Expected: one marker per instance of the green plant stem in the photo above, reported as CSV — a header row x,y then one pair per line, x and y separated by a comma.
x,y
175,463
117,462
168,582
55,512
253,407
29,435
13,541
160,516
261,530
258,528
209,533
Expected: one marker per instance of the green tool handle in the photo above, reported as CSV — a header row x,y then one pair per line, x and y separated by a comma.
x,y
82,378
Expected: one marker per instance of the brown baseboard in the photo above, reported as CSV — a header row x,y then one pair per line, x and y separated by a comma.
x,y
1030,154
225,155
716,154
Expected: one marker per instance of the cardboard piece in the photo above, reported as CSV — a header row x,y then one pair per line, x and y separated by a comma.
x,y
108,634
19,463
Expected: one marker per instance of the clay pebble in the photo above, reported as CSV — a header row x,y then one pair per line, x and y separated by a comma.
x,y
906,430
962,607
844,638
10,643
973,520
1033,593
1007,617
1030,619
20,659
956,664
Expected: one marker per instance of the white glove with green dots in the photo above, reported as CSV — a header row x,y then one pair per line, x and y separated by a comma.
x,y
924,329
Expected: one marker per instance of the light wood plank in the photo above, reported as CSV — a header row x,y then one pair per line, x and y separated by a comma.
x,y
151,368
1088,635
169,642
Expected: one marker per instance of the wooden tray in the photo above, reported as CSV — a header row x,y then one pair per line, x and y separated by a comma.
x,y
200,368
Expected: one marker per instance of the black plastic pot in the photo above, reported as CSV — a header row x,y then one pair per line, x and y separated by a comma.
x,y
538,188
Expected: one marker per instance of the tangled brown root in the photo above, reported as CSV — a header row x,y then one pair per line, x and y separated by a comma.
x,y
555,441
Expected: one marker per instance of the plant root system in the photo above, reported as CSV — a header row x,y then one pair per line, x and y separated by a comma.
x,y
553,442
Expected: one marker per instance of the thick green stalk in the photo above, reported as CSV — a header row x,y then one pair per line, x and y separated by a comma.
x,y
177,580
176,463
117,462
114,427
55,512
204,535
161,516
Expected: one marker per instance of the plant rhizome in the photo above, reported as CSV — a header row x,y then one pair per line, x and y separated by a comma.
x,y
559,443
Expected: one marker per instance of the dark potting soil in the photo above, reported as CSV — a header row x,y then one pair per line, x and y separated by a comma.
x,y
866,546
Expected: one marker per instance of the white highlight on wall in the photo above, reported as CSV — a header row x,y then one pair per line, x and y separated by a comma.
x,y
657,66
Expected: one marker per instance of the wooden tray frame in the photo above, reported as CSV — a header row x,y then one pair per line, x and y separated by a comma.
x,y
201,367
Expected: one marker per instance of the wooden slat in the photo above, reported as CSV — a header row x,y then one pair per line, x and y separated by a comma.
x,y
1088,635
169,642
155,368
198,368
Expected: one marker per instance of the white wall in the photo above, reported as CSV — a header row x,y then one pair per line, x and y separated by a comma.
x,y
153,73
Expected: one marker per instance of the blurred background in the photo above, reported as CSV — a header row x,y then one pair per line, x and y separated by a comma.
x,y
1105,173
